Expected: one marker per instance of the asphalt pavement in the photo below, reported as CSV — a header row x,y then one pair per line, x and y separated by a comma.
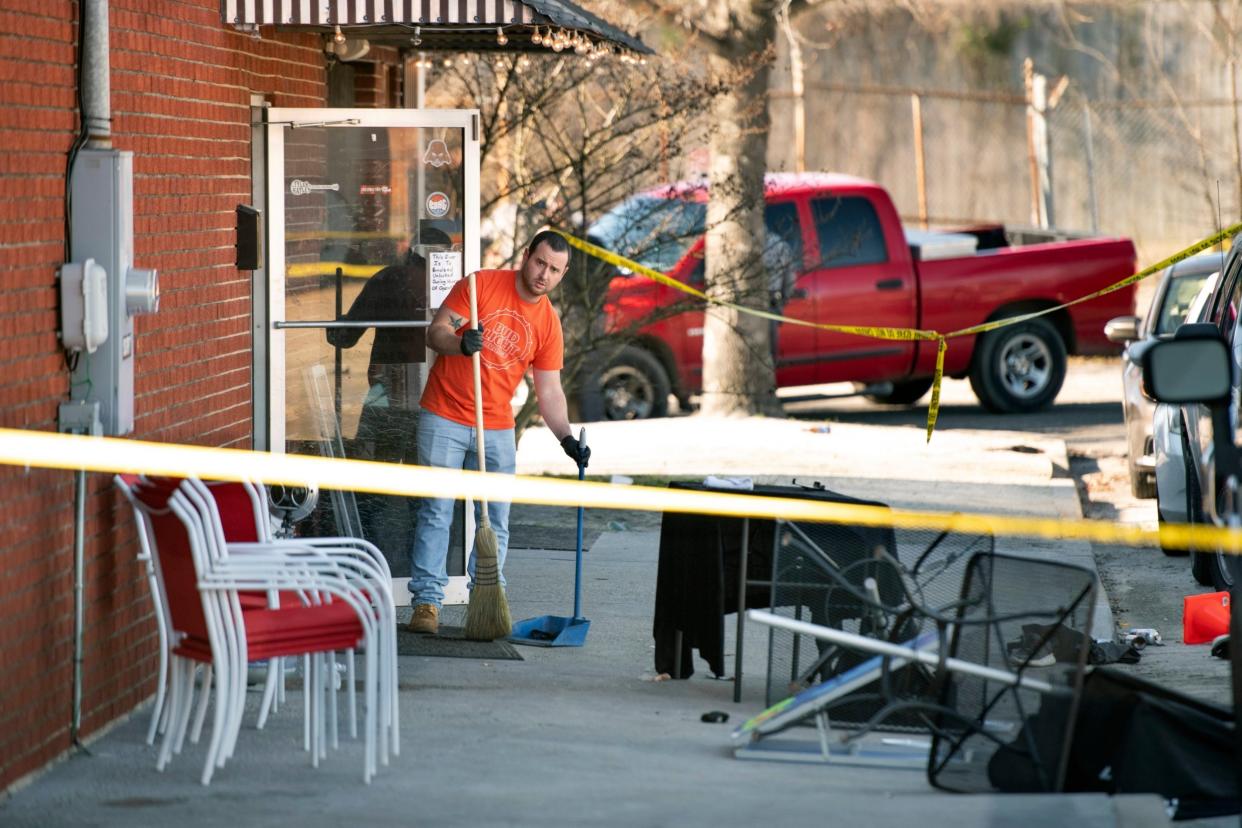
x,y
591,735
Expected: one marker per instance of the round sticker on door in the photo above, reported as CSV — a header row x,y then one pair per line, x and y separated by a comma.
x,y
438,205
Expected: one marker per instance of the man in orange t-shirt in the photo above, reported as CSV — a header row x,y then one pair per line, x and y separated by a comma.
x,y
518,329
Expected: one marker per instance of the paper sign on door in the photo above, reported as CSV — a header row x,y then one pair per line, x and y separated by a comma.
x,y
445,272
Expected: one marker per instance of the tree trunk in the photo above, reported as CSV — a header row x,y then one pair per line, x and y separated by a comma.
x,y
738,372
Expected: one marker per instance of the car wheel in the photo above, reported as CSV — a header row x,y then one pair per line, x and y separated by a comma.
x,y
1018,368
1142,485
1222,564
907,392
632,386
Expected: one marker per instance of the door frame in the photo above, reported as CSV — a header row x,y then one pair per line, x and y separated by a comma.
x,y
269,393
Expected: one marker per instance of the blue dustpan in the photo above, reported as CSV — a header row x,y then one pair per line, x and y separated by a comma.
x,y
558,630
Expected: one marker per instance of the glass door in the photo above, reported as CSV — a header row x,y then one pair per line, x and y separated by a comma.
x,y
373,215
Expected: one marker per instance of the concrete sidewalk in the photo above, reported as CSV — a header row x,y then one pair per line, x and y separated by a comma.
x,y
586,736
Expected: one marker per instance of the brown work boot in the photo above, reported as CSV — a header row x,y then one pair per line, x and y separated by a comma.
x,y
426,619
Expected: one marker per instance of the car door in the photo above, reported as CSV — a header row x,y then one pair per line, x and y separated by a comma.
x,y
1224,313
784,258
857,280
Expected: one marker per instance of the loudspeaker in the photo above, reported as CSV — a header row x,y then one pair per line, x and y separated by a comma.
x,y
249,238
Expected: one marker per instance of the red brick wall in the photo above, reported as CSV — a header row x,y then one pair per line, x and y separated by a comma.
x,y
181,86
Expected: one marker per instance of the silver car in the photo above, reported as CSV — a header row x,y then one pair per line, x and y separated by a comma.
x,y
1167,440
1176,290
1205,490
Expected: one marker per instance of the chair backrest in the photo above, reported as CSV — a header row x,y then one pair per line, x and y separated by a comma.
x,y
820,573
1027,617
175,550
238,515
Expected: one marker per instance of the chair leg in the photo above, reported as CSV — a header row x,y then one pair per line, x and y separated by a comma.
x,y
219,726
352,694
269,692
333,684
312,708
279,695
182,725
306,702
371,697
200,715
157,711
327,664
165,718
180,680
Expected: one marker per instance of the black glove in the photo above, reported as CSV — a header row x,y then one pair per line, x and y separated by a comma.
x,y
472,340
579,454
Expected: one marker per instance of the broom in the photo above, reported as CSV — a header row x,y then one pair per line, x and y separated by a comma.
x,y
487,614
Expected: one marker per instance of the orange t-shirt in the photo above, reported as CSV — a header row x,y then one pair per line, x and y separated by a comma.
x,y
516,335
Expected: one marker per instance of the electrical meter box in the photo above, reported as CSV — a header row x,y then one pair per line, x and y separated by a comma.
x,y
102,237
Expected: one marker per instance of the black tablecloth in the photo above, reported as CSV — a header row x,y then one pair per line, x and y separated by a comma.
x,y
697,577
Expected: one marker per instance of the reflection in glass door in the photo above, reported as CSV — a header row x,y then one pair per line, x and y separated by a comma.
x,y
365,207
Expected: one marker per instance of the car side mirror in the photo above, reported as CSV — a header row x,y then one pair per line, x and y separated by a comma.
x,y
1190,370
1122,329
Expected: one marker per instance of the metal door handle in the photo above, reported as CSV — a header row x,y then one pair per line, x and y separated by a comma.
x,y
889,284
342,323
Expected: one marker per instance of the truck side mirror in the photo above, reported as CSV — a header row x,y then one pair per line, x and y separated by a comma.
x,y
1190,370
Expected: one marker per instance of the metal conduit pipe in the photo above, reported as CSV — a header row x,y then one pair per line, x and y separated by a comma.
x,y
79,599
96,71
97,120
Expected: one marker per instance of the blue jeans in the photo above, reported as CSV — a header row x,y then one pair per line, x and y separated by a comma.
x,y
451,445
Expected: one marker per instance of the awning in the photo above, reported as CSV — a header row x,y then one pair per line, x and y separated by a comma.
x,y
448,25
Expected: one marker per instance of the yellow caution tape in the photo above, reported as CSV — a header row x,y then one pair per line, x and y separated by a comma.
x,y
875,332
899,334
113,455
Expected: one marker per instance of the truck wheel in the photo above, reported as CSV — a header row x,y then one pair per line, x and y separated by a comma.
x,y
906,392
1019,368
632,386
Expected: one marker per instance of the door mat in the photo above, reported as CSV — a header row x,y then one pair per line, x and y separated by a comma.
x,y
452,643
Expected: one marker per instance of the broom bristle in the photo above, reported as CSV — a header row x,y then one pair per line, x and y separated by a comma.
x,y
487,614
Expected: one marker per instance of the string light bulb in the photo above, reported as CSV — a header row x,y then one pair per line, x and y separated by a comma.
x,y
418,36
537,37
337,35
501,39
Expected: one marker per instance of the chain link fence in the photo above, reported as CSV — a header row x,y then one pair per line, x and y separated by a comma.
x,y
1146,170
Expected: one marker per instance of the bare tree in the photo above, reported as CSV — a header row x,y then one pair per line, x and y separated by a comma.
x,y
566,138
738,372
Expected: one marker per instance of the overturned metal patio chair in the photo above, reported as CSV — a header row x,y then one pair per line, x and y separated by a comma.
x,y
970,675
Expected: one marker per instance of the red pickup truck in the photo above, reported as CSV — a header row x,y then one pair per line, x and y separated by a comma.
x,y
852,263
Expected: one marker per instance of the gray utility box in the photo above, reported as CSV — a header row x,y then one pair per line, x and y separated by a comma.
x,y
102,229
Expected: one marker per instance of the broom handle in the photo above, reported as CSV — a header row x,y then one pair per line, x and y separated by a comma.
x,y
578,547
475,360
